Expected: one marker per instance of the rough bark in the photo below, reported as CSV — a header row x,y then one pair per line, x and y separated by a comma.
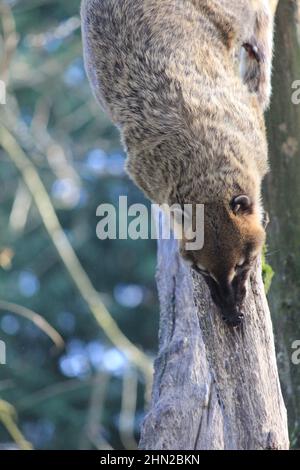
x,y
215,387
283,196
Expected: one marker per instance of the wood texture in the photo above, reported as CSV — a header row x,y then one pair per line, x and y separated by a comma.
x,y
214,387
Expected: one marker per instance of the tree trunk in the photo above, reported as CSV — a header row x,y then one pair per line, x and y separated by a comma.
x,y
215,387
283,196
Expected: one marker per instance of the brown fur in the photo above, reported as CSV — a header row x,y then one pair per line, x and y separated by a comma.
x,y
166,71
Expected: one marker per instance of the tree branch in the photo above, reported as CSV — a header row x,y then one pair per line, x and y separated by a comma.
x,y
215,387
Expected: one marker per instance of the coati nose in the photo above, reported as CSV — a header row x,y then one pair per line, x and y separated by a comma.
x,y
227,297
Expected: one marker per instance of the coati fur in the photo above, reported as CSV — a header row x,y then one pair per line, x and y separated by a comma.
x,y
187,82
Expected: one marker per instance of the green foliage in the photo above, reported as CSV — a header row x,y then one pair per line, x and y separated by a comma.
x,y
267,271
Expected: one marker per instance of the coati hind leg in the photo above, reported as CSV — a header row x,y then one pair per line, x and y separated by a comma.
x,y
256,56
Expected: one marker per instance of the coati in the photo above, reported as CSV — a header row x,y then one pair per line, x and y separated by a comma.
x,y
186,82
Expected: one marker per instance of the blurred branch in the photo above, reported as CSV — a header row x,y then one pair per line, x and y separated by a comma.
x,y
25,76
54,151
127,416
50,392
8,418
92,430
102,445
10,37
77,118
37,319
20,209
68,256
24,7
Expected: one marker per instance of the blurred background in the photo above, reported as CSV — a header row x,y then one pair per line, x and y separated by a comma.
x,y
79,316
86,393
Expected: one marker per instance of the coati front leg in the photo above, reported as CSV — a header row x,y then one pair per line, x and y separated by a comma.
x,y
149,170
256,56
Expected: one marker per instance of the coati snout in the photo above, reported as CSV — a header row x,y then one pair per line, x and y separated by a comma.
x,y
233,238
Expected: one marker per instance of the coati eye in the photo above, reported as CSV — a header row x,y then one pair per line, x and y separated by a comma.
x,y
200,270
188,261
241,265
253,51
241,204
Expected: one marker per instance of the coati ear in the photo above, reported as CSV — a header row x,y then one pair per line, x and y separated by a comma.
x,y
241,204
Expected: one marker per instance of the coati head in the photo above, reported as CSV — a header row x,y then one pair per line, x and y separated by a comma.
x,y
233,238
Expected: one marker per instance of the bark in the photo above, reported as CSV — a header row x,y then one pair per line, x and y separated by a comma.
x,y
215,387
283,196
